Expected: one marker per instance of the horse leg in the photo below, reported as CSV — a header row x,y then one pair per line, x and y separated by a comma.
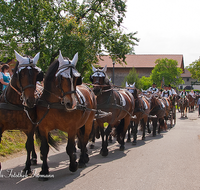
x,y
135,131
92,137
29,147
44,149
129,133
73,166
104,149
34,156
154,126
84,158
143,124
148,128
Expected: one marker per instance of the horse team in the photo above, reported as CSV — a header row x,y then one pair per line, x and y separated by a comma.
x,y
71,106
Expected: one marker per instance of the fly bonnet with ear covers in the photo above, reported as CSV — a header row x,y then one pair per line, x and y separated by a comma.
x,y
27,62
67,68
98,72
131,86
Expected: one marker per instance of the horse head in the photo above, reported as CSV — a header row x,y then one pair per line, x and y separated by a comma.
x,y
99,79
24,79
132,89
67,78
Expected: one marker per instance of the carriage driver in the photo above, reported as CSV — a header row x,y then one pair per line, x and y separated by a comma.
x,y
153,89
166,93
173,92
183,93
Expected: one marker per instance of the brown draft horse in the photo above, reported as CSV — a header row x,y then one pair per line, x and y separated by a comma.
x,y
17,102
183,104
191,102
141,111
67,107
157,113
119,102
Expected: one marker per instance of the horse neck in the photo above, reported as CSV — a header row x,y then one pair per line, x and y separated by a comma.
x,y
11,96
51,93
105,96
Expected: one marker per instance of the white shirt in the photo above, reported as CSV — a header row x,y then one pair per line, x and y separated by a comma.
x,y
153,90
173,91
166,93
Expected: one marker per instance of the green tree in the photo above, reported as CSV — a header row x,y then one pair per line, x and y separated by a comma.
x,y
166,69
146,82
131,78
90,28
194,69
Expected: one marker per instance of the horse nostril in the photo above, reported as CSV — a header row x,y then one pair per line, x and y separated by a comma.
x,y
69,105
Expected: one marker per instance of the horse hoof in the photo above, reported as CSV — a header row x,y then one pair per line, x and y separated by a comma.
x,y
122,148
128,141
143,138
134,143
74,167
149,131
104,153
26,172
110,140
81,165
33,162
91,146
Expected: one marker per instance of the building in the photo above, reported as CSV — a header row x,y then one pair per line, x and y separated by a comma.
x,y
186,76
143,65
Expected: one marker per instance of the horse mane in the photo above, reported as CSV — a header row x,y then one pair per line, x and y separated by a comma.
x,y
50,74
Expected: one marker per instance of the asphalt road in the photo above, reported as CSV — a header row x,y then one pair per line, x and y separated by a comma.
x,y
169,161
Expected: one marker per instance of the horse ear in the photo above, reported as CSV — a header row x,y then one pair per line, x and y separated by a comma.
x,y
35,59
40,76
61,59
19,57
79,81
75,59
126,84
104,69
133,85
94,69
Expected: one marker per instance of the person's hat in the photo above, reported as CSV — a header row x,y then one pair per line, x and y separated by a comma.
x,y
169,85
154,83
165,85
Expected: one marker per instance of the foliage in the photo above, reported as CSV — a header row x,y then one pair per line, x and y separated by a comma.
x,y
166,69
131,78
194,69
146,82
90,28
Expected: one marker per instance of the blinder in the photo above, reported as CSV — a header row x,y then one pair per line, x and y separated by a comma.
x,y
40,76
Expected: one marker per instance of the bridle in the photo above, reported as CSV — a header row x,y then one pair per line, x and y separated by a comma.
x,y
22,89
73,91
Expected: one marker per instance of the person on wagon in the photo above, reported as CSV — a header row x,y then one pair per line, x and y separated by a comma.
x,y
183,93
173,92
192,93
5,79
153,89
166,93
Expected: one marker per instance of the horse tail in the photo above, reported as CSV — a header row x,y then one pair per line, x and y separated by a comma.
x,y
51,141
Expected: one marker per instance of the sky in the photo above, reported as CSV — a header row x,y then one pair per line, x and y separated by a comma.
x,y
165,27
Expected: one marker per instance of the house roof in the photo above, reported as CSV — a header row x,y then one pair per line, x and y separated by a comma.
x,y
141,61
186,74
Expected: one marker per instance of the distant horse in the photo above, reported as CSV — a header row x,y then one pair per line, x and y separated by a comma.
x,y
183,103
191,103
68,105
119,102
157,113
17,102
141,111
